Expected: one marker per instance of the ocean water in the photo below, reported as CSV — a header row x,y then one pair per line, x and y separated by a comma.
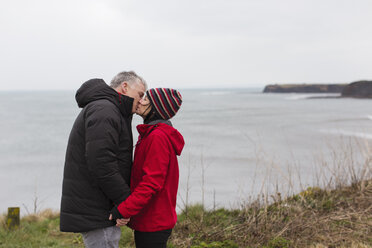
x,y
239,143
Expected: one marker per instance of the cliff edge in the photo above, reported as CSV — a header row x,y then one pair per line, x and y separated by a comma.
x,y
359,89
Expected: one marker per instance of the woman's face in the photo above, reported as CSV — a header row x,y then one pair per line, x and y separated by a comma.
x,y
144,107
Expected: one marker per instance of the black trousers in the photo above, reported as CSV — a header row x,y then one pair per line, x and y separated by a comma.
x,y
152,239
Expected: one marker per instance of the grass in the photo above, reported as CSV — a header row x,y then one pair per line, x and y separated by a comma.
x,y
314,218
42,230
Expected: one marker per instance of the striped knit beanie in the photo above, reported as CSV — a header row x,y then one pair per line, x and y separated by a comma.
x,y
165,101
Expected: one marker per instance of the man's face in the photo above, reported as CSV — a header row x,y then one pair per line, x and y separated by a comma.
x,y
135,91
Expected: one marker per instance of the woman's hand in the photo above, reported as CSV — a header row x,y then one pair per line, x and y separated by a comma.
x,y
120,222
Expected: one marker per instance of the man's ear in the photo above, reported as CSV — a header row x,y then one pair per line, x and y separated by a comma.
x,y
124,87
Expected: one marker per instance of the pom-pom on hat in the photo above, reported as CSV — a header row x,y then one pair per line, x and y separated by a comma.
x,y
165,101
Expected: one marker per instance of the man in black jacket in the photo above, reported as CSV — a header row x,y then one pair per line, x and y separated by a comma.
x,y
99,158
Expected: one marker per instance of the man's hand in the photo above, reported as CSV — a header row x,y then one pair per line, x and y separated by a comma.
x,y
120,222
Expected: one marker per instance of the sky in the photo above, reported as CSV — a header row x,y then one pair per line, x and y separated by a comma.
x,y
50,45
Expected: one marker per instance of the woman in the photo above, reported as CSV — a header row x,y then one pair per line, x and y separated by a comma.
x,y
151,206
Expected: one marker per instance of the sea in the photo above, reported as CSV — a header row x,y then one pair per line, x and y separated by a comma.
x,y
240,144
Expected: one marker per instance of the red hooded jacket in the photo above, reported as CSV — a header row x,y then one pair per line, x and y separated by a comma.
x,y
154,179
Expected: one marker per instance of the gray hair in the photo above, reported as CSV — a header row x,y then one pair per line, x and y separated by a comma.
x,y
127,76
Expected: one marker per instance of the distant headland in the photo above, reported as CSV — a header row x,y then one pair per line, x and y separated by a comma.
x,y
304,88
359,89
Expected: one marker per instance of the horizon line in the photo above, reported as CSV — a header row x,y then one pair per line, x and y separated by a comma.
x,y
181,88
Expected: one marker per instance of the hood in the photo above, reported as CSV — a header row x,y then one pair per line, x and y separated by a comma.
x,y
174,136
97,89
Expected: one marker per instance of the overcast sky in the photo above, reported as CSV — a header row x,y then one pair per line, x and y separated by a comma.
x,y
48,44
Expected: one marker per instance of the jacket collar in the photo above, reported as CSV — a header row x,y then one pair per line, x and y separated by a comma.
x,y
125,105
96,89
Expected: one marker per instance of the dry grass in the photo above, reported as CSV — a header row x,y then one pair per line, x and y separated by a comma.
x,y
353,245
335,213
45,214
2,219
314,218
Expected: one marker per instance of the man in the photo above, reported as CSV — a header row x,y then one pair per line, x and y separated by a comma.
x,y
99,158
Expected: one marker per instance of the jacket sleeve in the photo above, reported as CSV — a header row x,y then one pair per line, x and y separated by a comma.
x,y
102,126
155,170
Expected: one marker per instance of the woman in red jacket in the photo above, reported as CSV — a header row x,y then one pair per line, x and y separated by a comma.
x,y
151,206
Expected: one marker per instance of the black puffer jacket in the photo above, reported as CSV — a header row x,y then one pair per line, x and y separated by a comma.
x,y
98,158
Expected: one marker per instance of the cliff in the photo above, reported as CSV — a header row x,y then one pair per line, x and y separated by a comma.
x,y
304,88
360,89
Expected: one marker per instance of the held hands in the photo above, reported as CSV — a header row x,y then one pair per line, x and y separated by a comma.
x,y
120,222
115,215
